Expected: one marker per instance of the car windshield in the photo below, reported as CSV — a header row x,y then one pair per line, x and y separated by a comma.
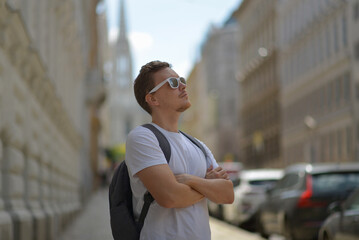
x,y
335,182
236,182
263,183
354,203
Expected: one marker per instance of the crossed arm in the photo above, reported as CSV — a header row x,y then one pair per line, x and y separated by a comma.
x,y
216,186
184,190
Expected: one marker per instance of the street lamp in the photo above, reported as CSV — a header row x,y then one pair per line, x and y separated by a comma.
x,y
311,125
263,52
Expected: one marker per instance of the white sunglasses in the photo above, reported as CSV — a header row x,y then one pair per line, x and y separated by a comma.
x,y
174,83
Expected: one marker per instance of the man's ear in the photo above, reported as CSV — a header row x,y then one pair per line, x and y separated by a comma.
x,y
151,100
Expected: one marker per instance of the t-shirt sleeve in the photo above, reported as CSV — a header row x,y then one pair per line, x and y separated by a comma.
x,y
142,150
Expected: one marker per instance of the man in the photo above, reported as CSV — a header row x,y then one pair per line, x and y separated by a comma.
x,y
180,188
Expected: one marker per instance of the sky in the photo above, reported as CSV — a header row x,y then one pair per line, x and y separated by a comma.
x,y
168,30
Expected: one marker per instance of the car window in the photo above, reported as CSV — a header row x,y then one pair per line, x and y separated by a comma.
x,y
335,182
236,182
292,180
353,201
355,204
288,181
263,183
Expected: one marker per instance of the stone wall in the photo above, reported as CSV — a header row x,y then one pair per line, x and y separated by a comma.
x,y
42,85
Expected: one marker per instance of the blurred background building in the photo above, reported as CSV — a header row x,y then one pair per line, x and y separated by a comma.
x,y
297,68
213,91
319,78
259,83
51,89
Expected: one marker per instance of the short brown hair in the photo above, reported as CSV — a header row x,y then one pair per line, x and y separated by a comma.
x,y
144,82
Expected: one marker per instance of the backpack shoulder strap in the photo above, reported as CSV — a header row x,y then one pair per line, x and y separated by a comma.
x,y
164,144
166,149
197,143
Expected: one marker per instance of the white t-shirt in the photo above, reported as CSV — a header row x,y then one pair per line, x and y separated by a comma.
x,y
142,151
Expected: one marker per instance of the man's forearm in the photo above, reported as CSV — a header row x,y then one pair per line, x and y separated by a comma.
x,y
184,196
216,190
169,193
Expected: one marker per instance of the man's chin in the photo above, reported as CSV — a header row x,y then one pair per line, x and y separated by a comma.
x,y
184,107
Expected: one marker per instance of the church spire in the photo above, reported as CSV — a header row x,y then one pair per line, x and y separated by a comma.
x,y
123,61
122,20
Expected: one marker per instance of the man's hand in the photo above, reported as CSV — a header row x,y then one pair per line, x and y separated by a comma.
x,y
217,173
184,178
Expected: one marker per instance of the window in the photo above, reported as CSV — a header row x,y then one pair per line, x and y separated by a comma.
x,y
344,30
339,143
354,202
356,51
347,87
331,146
335,33
328,43
349,141
329,95
322,98
288,181
337,182
337,91
321,46
356,11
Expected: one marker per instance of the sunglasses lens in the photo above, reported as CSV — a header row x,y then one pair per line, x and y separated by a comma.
x,y
173,82
183,80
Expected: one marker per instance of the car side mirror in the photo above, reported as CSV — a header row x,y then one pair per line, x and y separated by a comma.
x,y
334,207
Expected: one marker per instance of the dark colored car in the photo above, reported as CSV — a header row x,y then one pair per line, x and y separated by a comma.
x,y
298,204
344,223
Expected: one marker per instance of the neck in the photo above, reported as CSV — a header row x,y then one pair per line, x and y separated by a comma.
x,y
167,122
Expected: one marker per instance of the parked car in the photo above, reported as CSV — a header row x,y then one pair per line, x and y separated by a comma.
x,y
343,224
249,194
297,206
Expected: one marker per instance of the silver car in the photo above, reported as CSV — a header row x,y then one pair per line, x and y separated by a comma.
x,y
249,194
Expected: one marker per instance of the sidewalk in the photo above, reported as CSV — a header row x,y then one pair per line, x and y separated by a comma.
x,y
221,230
93,223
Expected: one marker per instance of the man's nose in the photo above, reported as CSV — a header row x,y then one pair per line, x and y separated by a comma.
x,y
182,86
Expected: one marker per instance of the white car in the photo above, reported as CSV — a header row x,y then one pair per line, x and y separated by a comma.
x,y
249,194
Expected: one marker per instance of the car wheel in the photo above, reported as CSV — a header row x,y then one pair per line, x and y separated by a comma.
x,y
219,212
225,214
326,236
260,228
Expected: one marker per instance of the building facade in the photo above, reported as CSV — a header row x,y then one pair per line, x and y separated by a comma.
x,y
259,84
219,57
195,120
213,92
319,78
50,78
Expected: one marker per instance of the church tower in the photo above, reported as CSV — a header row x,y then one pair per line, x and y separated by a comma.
x,y
123,112
123,59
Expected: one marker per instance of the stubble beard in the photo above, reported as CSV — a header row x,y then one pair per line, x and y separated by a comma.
x,y
184,107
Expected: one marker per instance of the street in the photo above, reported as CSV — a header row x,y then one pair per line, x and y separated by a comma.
x,y
93,224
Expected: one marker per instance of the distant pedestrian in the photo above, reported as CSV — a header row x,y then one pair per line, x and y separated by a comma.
x,y
182,187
